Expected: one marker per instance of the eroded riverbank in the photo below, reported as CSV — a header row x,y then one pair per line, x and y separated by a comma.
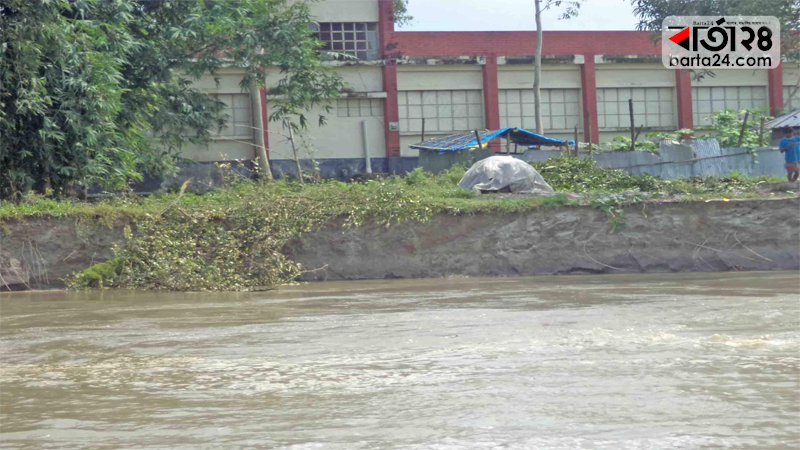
x,y
756,234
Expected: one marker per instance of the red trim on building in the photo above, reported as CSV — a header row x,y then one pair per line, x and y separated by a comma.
x,y
480,43
589,98
490,98
385,24
262,101
391,111
683,89
775,89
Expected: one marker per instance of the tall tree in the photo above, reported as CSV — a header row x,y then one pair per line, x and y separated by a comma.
x,y
96,91
571,10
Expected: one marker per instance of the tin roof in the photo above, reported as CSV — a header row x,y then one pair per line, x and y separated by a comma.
x,y
464,140
787,120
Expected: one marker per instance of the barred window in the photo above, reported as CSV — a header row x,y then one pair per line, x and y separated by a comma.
x,y
560,108
790,104
240,115
364,107
359,39
652,107
443,111
708,100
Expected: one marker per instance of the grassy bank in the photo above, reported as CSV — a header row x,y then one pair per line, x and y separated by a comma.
x,y
232,238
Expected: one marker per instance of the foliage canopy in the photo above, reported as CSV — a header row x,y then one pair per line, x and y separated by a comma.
x,y
97,91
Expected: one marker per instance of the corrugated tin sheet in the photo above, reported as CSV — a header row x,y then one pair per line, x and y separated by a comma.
x,y
787,120
461,141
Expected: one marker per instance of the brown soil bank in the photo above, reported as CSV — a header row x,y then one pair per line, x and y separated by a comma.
x,y
657,237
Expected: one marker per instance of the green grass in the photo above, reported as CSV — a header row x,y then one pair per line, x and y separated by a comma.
x,y
438,193
233,238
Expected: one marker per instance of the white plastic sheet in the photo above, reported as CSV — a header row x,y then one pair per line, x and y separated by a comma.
x,y
499,172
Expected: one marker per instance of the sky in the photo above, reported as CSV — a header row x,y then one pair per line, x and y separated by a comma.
x,y
515,15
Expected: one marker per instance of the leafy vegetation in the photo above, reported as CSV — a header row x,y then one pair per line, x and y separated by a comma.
x,y
98,91
623,144
571,174
234,238
727,125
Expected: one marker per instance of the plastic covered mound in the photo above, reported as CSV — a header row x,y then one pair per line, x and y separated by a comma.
x,y
504,174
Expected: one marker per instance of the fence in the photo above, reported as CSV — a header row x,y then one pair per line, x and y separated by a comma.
x,y
700,158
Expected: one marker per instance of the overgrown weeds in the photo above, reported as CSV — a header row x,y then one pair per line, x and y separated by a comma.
x,y
234,238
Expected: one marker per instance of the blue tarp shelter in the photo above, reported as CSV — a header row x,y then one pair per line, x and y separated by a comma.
x,y
465,140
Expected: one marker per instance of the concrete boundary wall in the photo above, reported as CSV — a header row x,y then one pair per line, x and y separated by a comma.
x,y
700,158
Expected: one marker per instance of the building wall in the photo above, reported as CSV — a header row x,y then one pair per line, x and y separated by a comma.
x,y
791,80
459,81
341,137
728,89
235,142
448,97
345,10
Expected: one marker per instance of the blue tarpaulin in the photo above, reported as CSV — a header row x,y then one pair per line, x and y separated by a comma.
x,y
465,140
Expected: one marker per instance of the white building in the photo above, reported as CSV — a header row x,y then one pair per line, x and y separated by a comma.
x,y
460,81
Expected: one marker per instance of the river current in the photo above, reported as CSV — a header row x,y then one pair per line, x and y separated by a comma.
x,y
609,362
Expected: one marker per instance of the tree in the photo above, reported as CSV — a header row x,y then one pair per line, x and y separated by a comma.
x,y
651,13
571,10
96,91
401,16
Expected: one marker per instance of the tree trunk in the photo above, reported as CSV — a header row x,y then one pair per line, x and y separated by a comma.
x,y
261,145
538,73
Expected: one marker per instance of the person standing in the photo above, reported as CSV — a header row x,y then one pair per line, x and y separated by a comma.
x,y
790,146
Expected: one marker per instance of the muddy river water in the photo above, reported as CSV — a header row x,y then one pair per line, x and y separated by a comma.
x,y
614,362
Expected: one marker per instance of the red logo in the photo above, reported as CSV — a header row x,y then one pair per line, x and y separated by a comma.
x,y
682,38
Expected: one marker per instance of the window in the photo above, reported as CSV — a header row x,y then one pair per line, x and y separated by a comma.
x,y
359,39
240,116
560,108
443,111
364,107
708,100
652,107
790,104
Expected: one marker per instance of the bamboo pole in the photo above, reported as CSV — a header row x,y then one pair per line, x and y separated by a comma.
x,y
744,124
576,140
633,126
296,159
478,138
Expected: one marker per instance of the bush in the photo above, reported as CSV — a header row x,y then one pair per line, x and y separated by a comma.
x,y
567,173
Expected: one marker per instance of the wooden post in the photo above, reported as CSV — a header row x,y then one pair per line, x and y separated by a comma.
x,y
588,123
744,124
423,130
478,138
576,140
633,126
508,142
761,133
296,159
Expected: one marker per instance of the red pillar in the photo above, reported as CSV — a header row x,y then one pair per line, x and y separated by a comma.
x,y
391,112
775,89
490,98
262,96
589,97
683,88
